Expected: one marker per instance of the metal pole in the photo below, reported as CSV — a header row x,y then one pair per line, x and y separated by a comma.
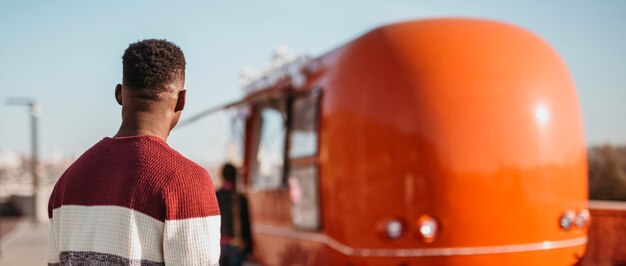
x,y
34,156
34,113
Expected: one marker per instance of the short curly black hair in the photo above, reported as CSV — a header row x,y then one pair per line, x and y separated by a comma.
x,y
229,172
150,65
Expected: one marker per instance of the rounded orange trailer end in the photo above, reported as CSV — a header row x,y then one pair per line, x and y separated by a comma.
x,y
473,123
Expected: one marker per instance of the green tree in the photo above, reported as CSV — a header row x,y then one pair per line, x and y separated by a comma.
x,y
607,172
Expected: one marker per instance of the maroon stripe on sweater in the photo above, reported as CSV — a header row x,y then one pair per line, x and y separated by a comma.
x,y
191,194
140,173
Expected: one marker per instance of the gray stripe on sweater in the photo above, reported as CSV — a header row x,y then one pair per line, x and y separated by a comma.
x,y
100,259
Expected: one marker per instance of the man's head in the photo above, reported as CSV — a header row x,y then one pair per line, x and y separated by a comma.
x,y
229,173
153,79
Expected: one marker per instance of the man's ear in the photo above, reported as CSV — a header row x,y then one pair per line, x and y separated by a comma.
x,y
118,94
180,102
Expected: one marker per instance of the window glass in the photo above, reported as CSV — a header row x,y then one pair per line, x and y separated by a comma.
x,y
303,191
235,146
270,149
303,136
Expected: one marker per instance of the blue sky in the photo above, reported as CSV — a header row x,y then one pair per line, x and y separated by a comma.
x,y
67,54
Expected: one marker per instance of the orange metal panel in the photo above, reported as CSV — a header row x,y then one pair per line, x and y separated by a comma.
x,y
472,122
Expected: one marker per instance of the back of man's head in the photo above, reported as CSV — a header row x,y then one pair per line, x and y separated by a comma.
x,y
150,66
229,173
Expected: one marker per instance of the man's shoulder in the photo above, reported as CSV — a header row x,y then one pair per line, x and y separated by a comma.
x,y
174,160
187,171
193,173
142,155
164,156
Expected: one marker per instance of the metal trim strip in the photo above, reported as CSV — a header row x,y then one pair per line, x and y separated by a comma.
x,y
416,252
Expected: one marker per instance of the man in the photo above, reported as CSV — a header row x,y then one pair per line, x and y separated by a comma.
x,y
236,238
131,199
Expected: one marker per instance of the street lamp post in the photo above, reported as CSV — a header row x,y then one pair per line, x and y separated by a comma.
x,y
34,110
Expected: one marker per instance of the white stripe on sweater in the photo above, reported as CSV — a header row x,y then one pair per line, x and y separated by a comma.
x,y
203,233
131,234
107,229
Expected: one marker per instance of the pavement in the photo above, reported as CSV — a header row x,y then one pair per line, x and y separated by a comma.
x,y
25,244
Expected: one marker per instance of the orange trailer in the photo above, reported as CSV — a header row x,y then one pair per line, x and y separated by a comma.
x,y
432,142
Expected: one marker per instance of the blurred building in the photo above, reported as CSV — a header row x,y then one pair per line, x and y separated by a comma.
x,y
16,176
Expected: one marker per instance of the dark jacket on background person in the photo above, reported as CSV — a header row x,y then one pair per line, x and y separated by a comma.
x,y
225,201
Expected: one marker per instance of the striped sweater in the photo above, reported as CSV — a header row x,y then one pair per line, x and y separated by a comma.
x,y
133,201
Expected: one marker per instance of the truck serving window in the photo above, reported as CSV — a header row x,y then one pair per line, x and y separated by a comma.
x,y
303,135
269,157
303,176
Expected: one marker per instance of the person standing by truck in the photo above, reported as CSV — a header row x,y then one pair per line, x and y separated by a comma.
x,y
236,236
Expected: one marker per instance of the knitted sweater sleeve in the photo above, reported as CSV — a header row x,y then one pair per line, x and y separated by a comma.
x,y
53,248
192,224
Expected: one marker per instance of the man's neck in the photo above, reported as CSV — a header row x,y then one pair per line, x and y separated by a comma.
x,y
144,123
